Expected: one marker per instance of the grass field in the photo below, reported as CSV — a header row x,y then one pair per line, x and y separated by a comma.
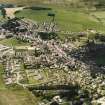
x,y
67,20
12,42
17,97
21,1
30,2
100,15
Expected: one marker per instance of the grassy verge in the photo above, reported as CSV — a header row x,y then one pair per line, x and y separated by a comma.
x,y
12,42
2,86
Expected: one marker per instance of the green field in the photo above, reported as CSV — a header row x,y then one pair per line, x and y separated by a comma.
x,y
100,15
67,20
17,97
13,42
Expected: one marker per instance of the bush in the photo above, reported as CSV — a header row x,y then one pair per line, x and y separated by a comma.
x,y
38,8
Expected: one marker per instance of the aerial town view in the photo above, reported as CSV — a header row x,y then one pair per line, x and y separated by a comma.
x,y
52,52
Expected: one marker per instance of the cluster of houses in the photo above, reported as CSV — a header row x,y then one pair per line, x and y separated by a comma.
x,y
5,50
21,69
49,56
47,62
26,29
9,76
13,73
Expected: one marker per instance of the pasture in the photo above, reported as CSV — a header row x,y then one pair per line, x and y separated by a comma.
x,y
66,19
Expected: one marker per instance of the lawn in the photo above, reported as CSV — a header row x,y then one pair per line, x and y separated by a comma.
x,y
100,15
13,42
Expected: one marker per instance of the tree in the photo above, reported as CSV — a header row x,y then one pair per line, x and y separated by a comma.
x,y
3,12
52,15
98,3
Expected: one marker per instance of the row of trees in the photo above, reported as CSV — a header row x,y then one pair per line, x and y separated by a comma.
x,y
96,3
3,12
87,3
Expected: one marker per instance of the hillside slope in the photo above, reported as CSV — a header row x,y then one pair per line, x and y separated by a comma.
x,y
17,97
31,1
28,2
67,20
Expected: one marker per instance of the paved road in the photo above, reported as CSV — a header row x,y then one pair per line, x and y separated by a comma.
x,y
10,11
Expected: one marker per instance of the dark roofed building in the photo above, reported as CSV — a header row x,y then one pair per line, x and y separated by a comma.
x,y
6,6
54,103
